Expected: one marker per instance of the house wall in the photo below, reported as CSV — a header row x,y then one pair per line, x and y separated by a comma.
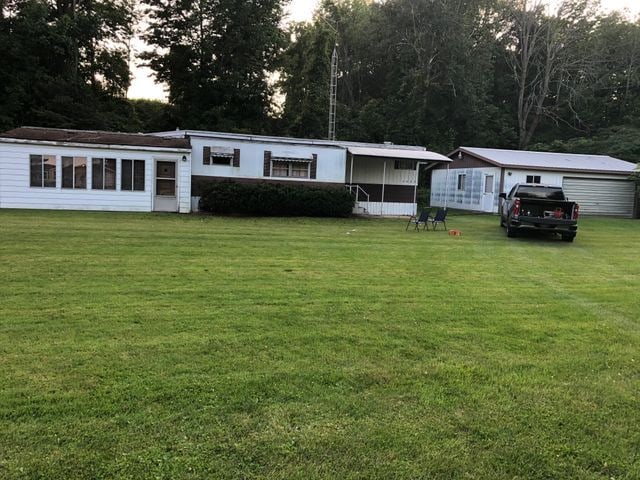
x,y
330,165
399,185
367,170
16,192
513,176
184,185
549,177
389,208
444,188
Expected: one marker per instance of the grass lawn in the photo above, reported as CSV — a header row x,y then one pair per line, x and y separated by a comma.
x,y
162,346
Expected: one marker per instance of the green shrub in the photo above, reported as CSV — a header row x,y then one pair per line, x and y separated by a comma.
x,y
275,199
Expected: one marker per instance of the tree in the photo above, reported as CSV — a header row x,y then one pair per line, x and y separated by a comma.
x,y
614,96
409,72
546,59
64,63
304,80
216,57
618,142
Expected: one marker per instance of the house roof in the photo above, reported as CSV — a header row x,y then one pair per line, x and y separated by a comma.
x,y
390,152
298,141
93,137
379,150
548,160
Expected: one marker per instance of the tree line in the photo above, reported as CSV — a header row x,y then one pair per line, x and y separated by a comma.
x,y
439,73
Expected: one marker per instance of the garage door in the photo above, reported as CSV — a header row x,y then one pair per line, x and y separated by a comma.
x,y
601,197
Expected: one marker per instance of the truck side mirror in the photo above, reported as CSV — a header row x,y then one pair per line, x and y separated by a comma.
x,y
503,195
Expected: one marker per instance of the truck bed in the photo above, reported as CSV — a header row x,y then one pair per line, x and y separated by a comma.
x,y
546,208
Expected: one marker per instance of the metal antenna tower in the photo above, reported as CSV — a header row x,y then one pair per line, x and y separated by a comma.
x,y
333,93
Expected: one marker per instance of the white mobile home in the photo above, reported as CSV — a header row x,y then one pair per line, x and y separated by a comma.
x,y
88,170
166,171
475,177
383,177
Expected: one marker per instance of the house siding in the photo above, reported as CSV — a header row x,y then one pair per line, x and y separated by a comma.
x,y
467,161
444,188
16,192
370,171
330,161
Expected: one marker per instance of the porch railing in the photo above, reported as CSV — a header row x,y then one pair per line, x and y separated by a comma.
x,y
358,190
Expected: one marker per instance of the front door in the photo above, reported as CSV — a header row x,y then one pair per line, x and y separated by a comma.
x,y
165,186
487,194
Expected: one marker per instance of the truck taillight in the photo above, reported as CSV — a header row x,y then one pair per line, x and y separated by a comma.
x,y
516,207
576,211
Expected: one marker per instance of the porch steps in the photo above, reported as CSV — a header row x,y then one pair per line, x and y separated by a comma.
x,y
360,210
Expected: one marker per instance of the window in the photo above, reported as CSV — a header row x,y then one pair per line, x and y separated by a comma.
x,y
404,165
543,193
462,178
132,175
166,179
488,184
103,173
42,171
218,158
299,169
533,178
290,168
226,156
74,172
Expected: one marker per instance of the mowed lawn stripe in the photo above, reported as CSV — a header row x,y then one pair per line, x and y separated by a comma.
x,y
167,346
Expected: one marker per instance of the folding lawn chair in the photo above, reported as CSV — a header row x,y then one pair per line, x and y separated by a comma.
x,y
441,217
422,219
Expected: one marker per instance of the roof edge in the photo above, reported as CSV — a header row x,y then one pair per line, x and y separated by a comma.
x,y
290,140
55,143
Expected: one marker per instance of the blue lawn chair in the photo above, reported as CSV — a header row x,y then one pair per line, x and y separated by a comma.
x,y
422,219
441,217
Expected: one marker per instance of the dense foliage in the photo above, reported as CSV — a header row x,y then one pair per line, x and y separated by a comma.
x,y
269,199
466,72
440,73
214,55
65,63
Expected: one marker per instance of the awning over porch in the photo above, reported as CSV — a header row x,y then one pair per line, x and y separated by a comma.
x,y
398,153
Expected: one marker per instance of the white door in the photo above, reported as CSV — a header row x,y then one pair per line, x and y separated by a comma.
x,y
166,199
487,194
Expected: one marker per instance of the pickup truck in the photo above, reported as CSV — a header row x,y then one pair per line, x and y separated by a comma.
x,y
539,207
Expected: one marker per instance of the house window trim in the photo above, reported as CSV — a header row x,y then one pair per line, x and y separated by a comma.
x,y
104,166
290,162
42,170
219,155
533,178
133,169
73,172
462,182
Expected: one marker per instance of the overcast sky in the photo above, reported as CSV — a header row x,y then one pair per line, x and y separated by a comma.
x,y
143,85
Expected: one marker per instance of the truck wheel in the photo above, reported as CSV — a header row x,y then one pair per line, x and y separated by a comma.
x,y
568,238
511,232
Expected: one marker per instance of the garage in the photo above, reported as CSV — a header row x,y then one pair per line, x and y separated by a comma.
x,y
597,196
600,184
